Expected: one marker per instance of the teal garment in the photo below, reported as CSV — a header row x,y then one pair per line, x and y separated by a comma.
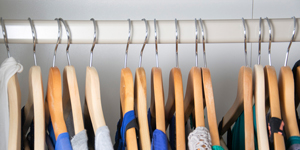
x,y
217,147
292,140
238,132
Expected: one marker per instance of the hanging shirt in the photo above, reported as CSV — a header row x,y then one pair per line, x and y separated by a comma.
x,y
8,68
293,143
102,139
128,122
238,133
199,139
29,139
172,133
159,139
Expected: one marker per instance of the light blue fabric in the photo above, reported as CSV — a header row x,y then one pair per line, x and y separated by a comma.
x,y
238,132
159,138
63,142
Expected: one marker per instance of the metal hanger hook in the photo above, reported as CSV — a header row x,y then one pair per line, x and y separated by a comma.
x,y
176,34
94,42
259,42
203,42
245,41
128,41
5,37
156,48
34,39
196,42
57,42
270,40
293,36
68,32
145,41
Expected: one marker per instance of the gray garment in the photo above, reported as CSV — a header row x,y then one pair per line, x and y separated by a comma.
x,y
70,124
102,139
79,141
295,147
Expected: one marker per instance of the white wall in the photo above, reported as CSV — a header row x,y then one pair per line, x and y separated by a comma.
x,y
224,60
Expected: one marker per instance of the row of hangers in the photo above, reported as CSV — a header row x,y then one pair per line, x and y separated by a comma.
x,y
133,96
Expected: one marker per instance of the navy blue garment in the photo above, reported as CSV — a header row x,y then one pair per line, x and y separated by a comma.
x,y
172,133
30,136
129,121
159,139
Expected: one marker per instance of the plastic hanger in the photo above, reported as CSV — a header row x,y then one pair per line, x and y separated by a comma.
x,y
272,93
193,100
127,97
209,96
243,102
71,98
157,107
286,93
14,102
54,95
34,108
92,90
175,100
259,94
140,97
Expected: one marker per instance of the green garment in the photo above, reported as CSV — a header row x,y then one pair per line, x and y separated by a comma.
x,y
217,147
292,140
238,132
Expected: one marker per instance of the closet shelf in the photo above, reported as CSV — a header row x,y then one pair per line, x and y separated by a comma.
x,y
116,31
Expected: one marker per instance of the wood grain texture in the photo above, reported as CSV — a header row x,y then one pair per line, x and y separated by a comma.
x,y
140,97
54,99
93,98
157,106
287,101
127,104
175,103
274,103
14,102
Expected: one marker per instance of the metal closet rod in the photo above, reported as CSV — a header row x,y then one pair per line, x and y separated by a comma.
x,y
116,31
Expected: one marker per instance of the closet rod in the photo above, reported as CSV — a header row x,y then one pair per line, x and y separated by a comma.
x,y
116,31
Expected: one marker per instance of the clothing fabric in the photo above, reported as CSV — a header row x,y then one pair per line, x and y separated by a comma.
x,y
79,141
63,142
275,125
217,147
238,133
294,70
172,133
128,122
102,139
159,139
199,139
29,139
8,68
293,143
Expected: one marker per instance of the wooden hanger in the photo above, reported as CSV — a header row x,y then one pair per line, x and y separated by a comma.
x,y
175,101
71,98
297,86
14,104
209,96
34,108
286,93
157,106
259,94
193,100
127,98
140,97
92,90
243,102
54,95
272,95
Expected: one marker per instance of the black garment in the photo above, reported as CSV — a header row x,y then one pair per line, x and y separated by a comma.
x,y
30,136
